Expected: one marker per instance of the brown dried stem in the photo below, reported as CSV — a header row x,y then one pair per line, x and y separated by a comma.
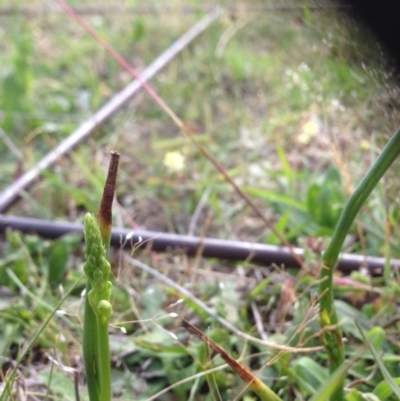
x,y
246,374
105,212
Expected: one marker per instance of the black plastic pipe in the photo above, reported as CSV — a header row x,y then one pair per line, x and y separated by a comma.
x,y
207,247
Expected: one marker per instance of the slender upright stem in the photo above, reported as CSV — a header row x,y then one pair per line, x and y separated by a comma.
x,y
98,309
104,360
331,333
90,347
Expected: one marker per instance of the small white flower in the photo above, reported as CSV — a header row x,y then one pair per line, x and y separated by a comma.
x,y
336,105
310,128
304,67
174,161
365,145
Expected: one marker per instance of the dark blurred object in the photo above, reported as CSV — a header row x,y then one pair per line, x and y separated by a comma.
x,y
381,18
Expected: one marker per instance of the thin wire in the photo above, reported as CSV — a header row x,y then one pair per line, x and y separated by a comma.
x,y
166,280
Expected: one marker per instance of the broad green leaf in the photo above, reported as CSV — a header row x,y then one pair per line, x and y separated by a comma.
x,y
383,390
354,395
313,373
377,336
385,373
331,385
59,383
347,315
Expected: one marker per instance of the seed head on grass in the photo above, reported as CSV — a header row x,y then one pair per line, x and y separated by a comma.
x,y
97,269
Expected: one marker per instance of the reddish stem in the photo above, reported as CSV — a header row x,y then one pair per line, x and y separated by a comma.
x,y
105,213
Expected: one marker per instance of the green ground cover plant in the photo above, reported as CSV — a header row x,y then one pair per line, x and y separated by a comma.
x,y
296,109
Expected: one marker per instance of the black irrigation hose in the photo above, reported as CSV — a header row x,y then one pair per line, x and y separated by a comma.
x,y
190,245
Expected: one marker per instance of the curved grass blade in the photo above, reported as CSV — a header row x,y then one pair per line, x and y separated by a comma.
x,y
335,381
11,377
385,373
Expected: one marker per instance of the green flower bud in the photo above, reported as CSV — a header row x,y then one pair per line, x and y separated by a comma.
x,y
105,311
94,250
97,270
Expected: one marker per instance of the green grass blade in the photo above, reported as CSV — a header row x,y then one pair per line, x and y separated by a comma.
x,y
385,373
287,168
331,334
271,196
388,155
333,384
11,377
